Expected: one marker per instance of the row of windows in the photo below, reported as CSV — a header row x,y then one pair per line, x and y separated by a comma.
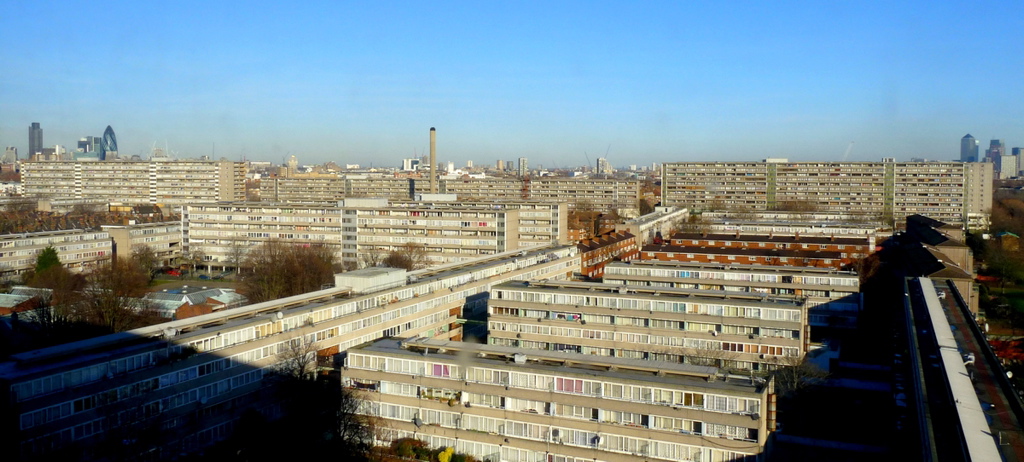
x,y
568,385
772,314
604,441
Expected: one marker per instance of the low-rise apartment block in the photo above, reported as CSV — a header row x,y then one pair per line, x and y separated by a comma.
x,y
508,404
308,190
722,329
593,194
78,249
163,238
224,232
362,228
540,223
660,222
955,192
167,183
833,297
622,196
774,257
853,246
192,378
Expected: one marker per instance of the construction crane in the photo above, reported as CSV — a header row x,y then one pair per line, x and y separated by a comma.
x,y
588,160
847,153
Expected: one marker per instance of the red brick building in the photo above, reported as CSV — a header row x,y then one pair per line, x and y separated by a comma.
x,y
599,251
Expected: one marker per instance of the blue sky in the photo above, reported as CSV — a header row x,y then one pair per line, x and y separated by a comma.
x,y
551,81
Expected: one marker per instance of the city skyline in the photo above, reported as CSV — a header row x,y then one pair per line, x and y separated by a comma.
x,y
554,84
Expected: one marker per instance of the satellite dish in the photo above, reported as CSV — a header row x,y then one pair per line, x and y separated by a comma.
x,y
279,315
417,422
203,400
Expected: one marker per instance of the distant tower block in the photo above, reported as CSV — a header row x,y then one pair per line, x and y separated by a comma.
x,y
433,161
108,146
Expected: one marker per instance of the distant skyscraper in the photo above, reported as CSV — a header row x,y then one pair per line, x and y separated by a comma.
x,y
1006,167
88,144
10,155
410,165
1016,151
603,166
523,169
968,149
995,149
500,165
108,146
35,139
469,164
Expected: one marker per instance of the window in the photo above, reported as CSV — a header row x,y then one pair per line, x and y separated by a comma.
x,y
568,385
441,370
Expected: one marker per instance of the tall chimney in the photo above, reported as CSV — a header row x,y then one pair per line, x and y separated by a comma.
x,y
433,161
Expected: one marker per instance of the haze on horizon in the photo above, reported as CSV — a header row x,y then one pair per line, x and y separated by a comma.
x,y
670,81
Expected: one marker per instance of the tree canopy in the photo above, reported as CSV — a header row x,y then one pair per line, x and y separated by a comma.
x,y
276,270
46,259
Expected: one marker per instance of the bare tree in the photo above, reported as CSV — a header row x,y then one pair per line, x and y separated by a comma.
x,y
115,297
692,224
196,256
58,304
146,259
373,256
411,256
793,374
297,358
21,205
711,357
797,206
705,356
281,270
236,255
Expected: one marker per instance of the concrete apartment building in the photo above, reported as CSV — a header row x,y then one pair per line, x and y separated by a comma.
x,y
163,238
954,192
852,246
308,190
78,249
747,256
540,222
622,196
598,194
192,378
722,329
507,404
361,227
167,183
660,222
449,234
793,223
223,232
833,297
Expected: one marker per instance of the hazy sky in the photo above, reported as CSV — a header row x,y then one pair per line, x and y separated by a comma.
x,y
363,82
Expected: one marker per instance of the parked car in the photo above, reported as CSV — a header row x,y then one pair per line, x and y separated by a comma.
x,y
204,277
174,272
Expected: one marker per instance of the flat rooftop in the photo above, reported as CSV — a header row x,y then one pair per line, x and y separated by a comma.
x,y
739,268
559,362
659,293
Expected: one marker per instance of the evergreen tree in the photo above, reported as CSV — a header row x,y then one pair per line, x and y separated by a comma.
x,y
46,259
